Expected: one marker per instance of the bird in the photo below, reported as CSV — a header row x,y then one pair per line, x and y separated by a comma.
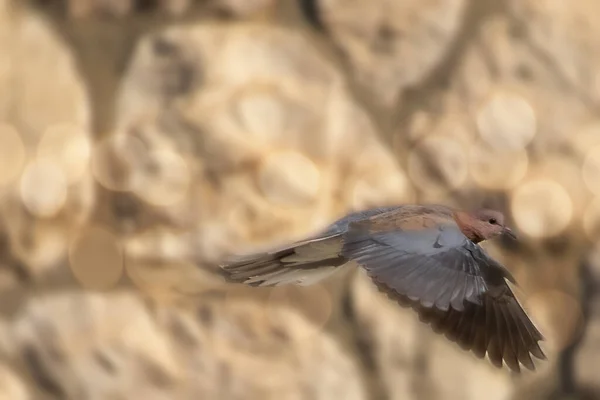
x,y
426,257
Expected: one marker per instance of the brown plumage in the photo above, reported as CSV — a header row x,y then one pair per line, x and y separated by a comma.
x,y
425,257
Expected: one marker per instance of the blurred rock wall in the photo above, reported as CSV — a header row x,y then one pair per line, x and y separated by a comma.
x,y
141,141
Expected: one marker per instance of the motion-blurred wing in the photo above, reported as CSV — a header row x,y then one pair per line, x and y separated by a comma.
x,y
302,263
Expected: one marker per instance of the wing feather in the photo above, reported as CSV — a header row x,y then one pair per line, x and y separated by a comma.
x,y
452,284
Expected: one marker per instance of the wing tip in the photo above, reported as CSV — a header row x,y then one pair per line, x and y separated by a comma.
x,y
509,365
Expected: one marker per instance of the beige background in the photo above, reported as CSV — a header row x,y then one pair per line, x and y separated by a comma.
x,y
142,141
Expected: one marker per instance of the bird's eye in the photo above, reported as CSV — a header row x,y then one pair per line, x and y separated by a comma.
x,y
492,221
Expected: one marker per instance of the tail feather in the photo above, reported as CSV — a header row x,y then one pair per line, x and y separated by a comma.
x,y
303,263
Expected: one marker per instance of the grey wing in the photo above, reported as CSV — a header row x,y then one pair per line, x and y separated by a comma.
x,y
499,327
454,286
436,266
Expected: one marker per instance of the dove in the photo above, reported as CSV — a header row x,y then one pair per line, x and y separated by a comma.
x,y
424,257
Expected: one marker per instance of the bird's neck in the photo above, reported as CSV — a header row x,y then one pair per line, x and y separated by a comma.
x,y
468,226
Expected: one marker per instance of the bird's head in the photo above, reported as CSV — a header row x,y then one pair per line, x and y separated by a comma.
x,y
490,223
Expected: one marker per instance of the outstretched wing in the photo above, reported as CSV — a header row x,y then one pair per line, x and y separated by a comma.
x,y
427,263
499,327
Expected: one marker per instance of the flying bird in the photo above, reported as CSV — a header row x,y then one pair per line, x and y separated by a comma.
x,y
426,257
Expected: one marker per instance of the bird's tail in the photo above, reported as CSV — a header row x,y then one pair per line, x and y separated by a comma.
x,y
302,263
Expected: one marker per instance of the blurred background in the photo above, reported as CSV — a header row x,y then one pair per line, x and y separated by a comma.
x,y
141,141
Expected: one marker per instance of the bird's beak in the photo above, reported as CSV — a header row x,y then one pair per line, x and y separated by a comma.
x,y
508,232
